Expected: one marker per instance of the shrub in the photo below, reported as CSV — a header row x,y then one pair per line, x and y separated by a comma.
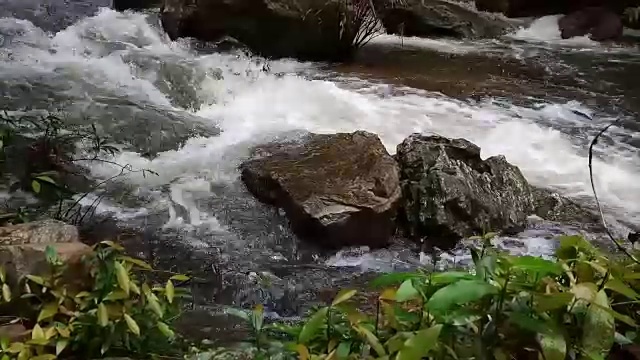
x,y
576,306
103,310
40,155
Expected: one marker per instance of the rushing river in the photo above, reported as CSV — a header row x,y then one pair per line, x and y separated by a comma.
x,y
191,115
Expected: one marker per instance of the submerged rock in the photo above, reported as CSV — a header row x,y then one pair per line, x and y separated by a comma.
x,y
450,193
337,190
23,247
305,29
437,18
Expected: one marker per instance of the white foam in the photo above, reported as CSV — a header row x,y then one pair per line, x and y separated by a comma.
x,y
251,106
546,30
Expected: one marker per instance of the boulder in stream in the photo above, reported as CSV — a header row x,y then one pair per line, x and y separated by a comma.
x,y
304,29
599,22
427,18
450,193
337,190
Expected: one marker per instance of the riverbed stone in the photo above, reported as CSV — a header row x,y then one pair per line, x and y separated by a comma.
x,y
599,23
336,189
304,29
450,192
23,247
439,18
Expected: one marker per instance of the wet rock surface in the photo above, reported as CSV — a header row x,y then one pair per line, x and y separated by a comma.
x,y
309,29
450,193
337,190
437,18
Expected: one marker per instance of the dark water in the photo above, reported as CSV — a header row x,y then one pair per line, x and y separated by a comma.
x,y
192,117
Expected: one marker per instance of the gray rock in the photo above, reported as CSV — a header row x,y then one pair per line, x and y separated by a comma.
x,y
428,18
450,193
305,29
557,208
337,190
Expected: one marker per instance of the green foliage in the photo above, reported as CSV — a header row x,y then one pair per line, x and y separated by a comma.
x,y
106,311
576,306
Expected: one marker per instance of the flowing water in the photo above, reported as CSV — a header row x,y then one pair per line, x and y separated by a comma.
x,y
192,115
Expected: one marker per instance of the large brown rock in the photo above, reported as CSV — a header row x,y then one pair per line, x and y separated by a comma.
x,y
305,29
23,247
429,18
337,190
450,193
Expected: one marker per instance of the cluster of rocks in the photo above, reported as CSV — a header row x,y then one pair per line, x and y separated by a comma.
x,y
346,189
325,30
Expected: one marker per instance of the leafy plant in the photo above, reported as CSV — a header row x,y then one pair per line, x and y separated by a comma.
x,y
106,311
576,306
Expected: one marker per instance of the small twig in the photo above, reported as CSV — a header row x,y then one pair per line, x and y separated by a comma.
x,y
595,194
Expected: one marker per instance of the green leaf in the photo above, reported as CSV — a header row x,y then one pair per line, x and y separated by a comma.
x,y
180,277
621,288
536,265
237,313
343,351
6,292
528,322
51,255
257,317
371,339
406,291
3,275
116,295
103,315
46,179
133,326
620,317
312,327
36,187
599,327
37,333
48,311
154,304
134,261
169,291
36,279
112,245
343,296
459,293
390,279
166,330
43,357
585,291
122,276
419,345
449,277
550,302
61,344
553,345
